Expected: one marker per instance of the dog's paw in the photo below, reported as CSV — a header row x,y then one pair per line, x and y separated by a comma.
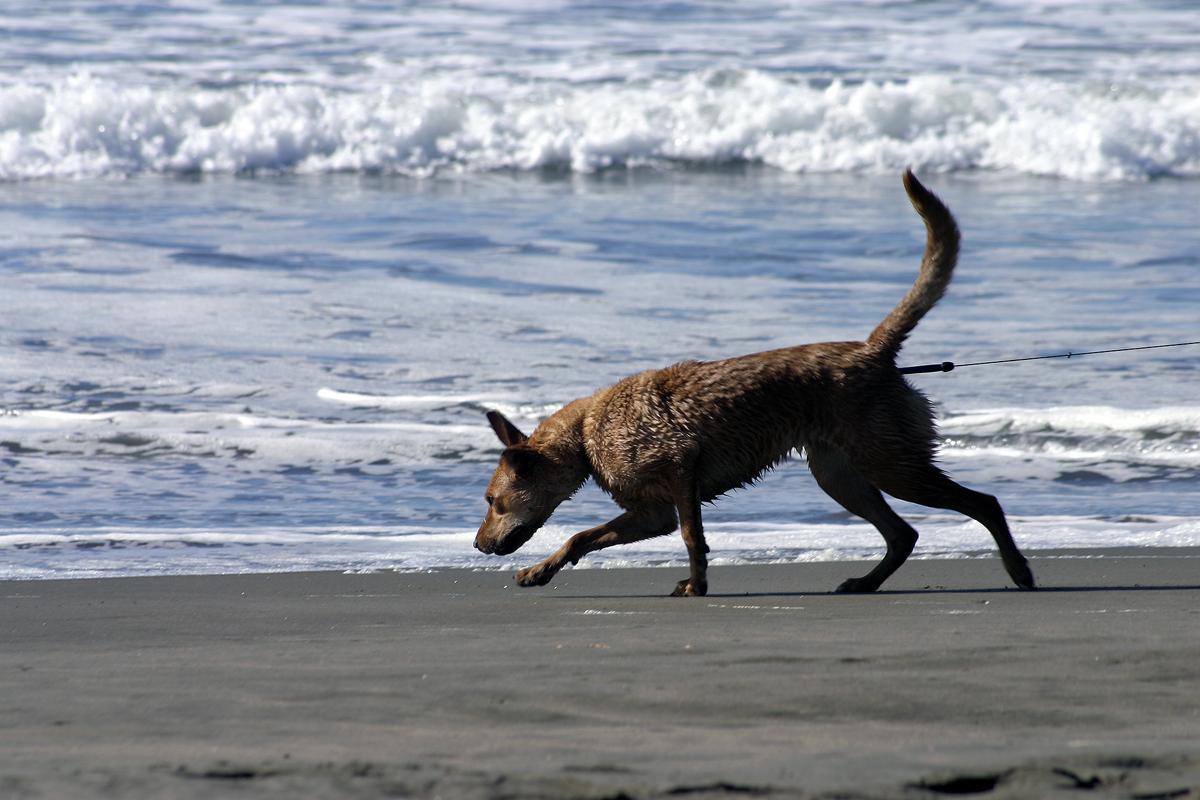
x,y
1022,575
856,586
690,588
537,575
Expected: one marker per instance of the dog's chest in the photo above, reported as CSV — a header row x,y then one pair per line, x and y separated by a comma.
x,y
636,442
640,462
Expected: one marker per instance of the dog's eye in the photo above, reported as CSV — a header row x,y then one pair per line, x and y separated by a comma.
x,y
490,499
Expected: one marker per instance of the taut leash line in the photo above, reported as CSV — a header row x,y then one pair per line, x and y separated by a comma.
x,y
947,366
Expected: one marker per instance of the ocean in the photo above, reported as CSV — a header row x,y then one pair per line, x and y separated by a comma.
x,y
265,267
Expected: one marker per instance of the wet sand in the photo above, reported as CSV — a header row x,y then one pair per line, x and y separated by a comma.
x,y
459,684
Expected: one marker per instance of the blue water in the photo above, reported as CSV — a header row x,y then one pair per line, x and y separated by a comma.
x,y
263,280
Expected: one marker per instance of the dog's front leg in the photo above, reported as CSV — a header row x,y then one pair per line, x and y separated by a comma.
x,y
632,526
687,502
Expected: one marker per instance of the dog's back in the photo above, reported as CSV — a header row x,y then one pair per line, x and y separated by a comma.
x,y
729,421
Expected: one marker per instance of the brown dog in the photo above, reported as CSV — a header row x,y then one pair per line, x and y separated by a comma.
x,y
663,442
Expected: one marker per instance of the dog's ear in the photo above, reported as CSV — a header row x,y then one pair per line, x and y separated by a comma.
x,y
508,433
522,460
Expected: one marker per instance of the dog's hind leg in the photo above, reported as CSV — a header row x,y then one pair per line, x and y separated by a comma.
x,y
845,484
632,526
687,503
929,486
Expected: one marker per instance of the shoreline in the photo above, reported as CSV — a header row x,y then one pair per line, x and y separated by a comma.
x,y
651,562
457,683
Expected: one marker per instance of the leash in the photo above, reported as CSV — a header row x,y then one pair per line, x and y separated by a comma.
x,y
947,366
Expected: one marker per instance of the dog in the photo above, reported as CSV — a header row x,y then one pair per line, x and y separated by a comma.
x,y
665,441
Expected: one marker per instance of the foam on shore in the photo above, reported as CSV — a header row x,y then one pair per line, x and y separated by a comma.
x,y
40,553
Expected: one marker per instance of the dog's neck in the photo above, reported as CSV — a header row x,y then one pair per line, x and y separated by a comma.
x,y
560,440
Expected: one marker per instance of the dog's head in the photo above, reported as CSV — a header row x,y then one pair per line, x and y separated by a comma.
x,y
523,492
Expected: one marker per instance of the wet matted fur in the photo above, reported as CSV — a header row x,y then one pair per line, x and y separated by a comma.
x,y
664,441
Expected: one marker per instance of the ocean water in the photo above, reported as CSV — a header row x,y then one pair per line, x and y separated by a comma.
x,y
266,267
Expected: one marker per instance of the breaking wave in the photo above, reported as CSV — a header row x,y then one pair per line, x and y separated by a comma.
x,y
86,126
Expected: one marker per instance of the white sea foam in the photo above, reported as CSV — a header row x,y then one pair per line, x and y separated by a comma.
x,y
528,413
42,553
1077,419
1121,437
403,401
153,434
1168,436
84,125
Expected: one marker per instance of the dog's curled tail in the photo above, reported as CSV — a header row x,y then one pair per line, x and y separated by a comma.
x,y
937,267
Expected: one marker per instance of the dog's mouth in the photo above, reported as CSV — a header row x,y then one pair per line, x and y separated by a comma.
x,y
510,542
513,540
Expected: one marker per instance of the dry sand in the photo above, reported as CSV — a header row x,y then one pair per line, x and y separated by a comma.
x,y
461,685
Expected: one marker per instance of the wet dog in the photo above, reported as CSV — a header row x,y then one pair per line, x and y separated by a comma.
x,y
665,441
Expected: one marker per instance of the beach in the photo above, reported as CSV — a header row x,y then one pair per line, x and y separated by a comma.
x,y
456,683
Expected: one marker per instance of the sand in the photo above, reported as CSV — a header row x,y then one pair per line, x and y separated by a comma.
x,y
459,684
